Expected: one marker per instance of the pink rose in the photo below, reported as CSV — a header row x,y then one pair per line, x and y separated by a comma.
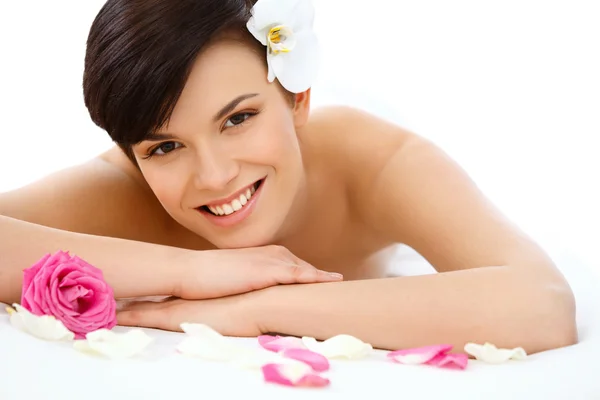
x,y
71,290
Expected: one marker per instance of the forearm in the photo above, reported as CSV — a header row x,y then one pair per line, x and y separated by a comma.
x,y
494,305
132,268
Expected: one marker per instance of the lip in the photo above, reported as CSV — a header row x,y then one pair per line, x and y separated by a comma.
x,y
226,221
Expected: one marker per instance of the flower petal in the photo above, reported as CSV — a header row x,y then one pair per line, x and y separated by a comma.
x,y
340,346
206,343
317,361
270,71
303,16
419,355
293,375
280,343
208,350
267,13
201,331
458,360
491,354
44,327
114,345
297,70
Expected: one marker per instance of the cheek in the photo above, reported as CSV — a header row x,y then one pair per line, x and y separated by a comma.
x,y
277,142
167,184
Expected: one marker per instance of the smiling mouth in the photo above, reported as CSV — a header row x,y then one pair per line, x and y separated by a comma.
x,y
235,205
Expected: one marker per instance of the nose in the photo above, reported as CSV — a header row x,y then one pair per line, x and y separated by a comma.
x,y
214,170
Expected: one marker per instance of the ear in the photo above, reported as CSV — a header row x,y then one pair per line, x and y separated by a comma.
x,y
301,108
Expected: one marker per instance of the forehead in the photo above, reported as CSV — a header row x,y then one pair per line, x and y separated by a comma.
x,y
228,64
224,70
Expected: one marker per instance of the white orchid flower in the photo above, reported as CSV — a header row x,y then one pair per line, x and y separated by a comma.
x,y
491,354
340,346
114,345
45,327
285,28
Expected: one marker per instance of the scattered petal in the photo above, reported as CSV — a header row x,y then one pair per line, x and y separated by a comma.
x,y
201,330
279,343
113,345
458,360
45,327
206,343
340,346
317,361
419,355
491,354
297,374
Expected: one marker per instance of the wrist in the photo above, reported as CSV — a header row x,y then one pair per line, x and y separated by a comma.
x,y
183,266
261,305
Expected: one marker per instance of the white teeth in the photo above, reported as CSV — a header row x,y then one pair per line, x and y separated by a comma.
x,y
235,205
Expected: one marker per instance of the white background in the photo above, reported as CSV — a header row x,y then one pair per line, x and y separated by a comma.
x,y
511,89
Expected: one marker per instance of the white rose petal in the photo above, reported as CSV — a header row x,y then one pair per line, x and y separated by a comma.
x,y
491,354
45,327
340,346
208,344
114,345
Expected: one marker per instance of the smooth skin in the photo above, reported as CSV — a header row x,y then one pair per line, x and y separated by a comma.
x,y
343,188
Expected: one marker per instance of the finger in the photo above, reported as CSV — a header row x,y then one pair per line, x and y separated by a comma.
x,y
303,273
319,275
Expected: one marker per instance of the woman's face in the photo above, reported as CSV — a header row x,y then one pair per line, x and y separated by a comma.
x,y
227,166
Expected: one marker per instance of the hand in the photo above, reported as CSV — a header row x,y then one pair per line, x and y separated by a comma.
x,y
218,273
230,316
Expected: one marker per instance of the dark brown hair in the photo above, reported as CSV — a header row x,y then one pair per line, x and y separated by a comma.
x,y
139,56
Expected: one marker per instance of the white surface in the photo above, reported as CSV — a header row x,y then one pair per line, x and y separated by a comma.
x,y
510,89
34,369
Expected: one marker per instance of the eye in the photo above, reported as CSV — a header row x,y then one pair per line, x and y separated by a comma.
x,y
237,119
164,148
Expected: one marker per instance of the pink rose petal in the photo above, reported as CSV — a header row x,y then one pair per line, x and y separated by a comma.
x,y
419,355
317,361
285,375
454,361
280,343
71,290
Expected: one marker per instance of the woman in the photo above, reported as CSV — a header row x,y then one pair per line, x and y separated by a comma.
x,y
225,185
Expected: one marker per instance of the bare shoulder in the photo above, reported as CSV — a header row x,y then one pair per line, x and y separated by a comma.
x,y
359,142
105,196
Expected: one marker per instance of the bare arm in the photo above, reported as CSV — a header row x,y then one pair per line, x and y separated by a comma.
x,y
100,197
491,304
132,268
494,283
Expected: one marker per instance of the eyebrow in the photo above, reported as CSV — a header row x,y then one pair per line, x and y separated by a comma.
x,y
229,107
157,136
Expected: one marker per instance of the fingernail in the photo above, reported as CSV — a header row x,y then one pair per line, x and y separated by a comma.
x,y
335,275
